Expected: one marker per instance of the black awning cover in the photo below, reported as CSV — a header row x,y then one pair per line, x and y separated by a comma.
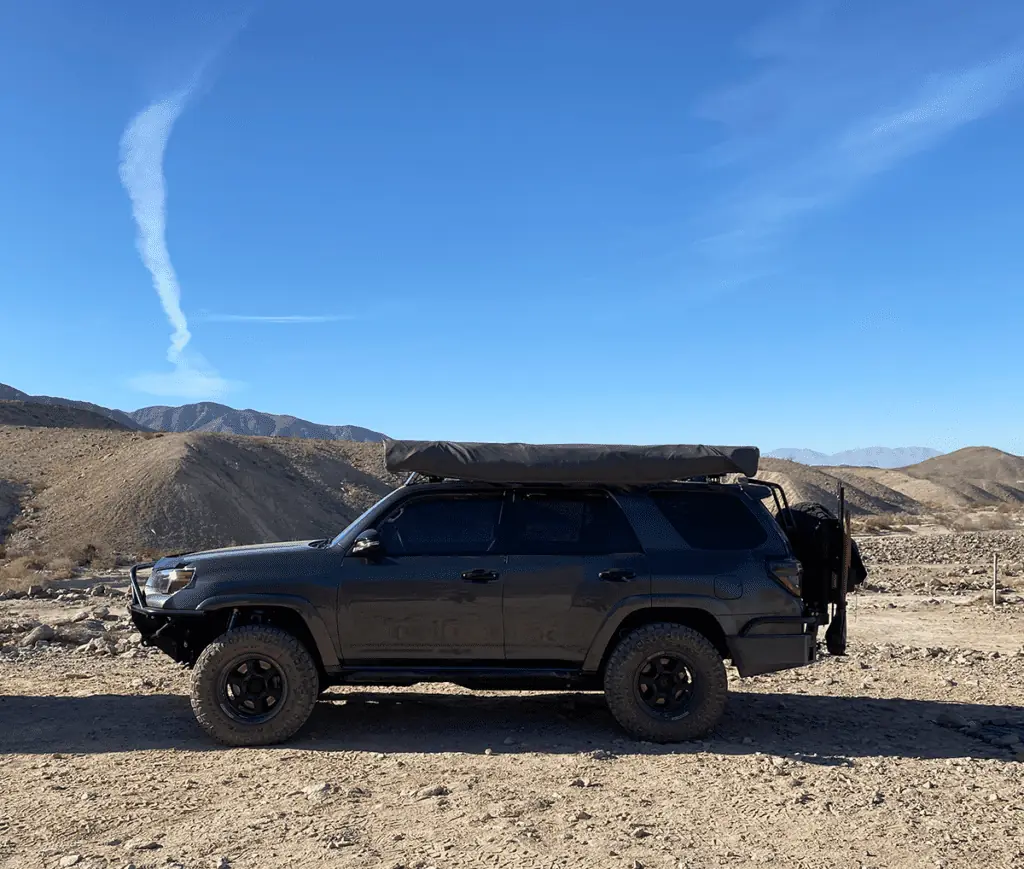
x,y
567,463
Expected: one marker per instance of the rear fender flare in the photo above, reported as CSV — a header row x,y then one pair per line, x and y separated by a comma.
x,y
714,607
623,609
317,628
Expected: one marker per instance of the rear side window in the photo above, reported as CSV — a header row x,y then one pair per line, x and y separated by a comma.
x,y
566,523
445,525
711,520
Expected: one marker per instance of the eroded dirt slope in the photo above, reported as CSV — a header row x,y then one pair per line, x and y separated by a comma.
x,y
136,492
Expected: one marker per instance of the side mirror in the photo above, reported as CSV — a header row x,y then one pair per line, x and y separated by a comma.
x,y
368,545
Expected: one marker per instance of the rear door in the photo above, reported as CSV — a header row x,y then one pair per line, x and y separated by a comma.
x,y
572,557
436,594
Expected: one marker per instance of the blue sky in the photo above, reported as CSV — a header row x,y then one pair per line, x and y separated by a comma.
x,y
789,224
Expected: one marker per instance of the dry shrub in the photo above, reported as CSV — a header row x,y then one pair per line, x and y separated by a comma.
x,y
984,522
61,567
876,523
3,552
20,573
149,435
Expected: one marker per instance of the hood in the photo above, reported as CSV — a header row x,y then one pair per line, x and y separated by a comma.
x,y
240,551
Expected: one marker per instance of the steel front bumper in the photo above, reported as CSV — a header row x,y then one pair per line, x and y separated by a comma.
x,y
772,643
168,630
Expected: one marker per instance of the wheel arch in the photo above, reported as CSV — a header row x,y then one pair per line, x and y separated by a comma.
x,y
700,620
288,612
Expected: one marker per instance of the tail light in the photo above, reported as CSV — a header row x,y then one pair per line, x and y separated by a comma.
x,y
788,573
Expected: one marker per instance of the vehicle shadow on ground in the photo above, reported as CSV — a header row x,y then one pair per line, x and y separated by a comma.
x,y
821,729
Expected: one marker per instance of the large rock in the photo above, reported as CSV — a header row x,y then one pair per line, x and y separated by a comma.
x,y
37,635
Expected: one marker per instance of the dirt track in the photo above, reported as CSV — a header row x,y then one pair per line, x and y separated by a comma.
x,y
850,763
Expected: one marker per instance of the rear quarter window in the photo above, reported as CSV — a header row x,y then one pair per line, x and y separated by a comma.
x,y
711,520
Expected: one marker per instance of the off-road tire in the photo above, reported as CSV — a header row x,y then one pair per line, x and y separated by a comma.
x,y
286,652
710,687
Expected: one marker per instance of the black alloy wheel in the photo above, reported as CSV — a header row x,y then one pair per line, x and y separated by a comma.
x,y
254,690
665,685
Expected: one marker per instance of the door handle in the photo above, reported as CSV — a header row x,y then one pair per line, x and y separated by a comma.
x,y
616,574
480,575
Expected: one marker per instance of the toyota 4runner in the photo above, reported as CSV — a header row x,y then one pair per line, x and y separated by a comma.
x,y
633,570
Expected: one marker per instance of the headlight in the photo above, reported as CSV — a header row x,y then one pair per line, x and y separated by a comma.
x,y
171,580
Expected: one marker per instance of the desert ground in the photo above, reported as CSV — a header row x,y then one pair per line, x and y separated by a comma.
x,y
905,753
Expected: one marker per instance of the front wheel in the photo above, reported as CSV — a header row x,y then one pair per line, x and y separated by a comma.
x,y
665,683
254,685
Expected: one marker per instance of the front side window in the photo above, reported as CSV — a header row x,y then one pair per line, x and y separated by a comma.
x,y
443,525
567,523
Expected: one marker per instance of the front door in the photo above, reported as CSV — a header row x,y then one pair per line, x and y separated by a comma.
x,y
435,595
572,558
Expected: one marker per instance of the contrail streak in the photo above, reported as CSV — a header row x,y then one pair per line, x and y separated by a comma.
x,y
142,174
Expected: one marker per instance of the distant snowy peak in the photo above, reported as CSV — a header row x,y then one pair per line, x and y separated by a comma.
x,y
869,457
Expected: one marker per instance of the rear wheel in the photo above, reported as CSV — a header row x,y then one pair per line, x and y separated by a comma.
x,y
254,685
665,683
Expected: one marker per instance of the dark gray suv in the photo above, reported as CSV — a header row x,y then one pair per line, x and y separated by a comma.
x,y
638,589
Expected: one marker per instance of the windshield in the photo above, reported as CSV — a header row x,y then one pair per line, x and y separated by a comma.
x,y
345,537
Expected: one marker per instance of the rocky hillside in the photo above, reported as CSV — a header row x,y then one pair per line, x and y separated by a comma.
x,y
917,490
137,492
54,416
9,393
208,416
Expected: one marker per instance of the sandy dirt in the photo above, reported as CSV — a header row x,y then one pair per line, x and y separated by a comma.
x,y
890,757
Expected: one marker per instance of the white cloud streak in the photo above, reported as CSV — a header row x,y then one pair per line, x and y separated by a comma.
x,y
142,174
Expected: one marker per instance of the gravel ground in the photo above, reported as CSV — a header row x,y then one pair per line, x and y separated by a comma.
x,y
897,755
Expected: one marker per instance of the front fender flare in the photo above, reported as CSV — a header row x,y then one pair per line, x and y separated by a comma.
x,y
317,628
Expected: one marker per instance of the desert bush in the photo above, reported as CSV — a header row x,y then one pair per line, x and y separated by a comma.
x,y
984,522
19,573
81,556
61,567
875,523
92,556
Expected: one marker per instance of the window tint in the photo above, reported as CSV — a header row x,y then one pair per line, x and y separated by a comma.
x,y
567,523
711,520
449,525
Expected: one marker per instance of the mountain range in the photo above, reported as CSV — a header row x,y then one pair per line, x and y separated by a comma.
x,y
868,457
206,416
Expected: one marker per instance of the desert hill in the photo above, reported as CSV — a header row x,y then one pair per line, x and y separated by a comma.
x,y
138,492
54,416
9,393
64,488
974,463
935,485
206,416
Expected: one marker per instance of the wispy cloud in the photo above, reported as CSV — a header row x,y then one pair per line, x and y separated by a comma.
x,y
842,94
293,319
185,380
141,169
142,174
